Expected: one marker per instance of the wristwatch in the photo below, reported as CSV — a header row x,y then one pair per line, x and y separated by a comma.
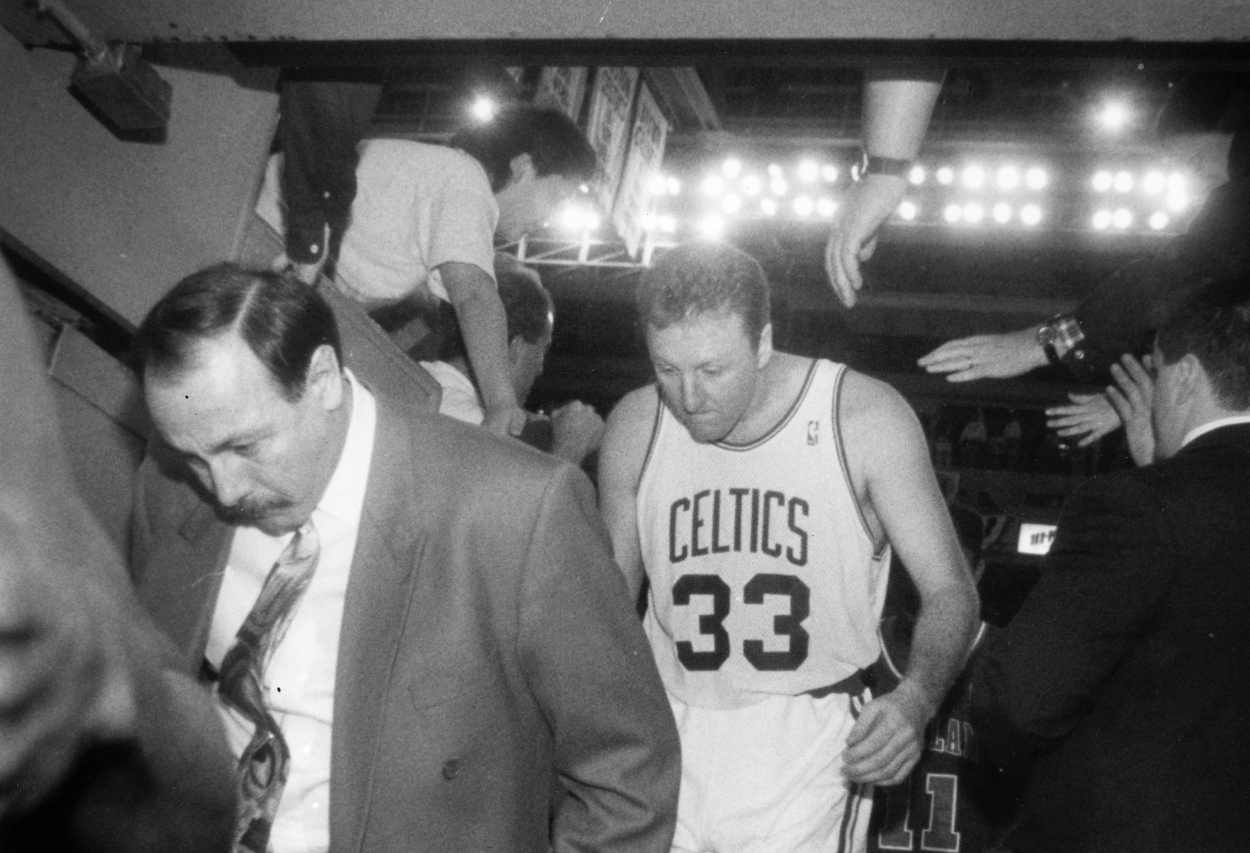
x,y
1046,336
870,165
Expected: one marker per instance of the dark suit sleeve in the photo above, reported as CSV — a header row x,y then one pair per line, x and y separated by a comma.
x,y
1104,578
587,661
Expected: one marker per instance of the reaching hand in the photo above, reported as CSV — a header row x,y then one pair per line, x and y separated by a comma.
x,y
506,421
886,741
854,235
1132,401
1090,415
306,273
577,431
986,356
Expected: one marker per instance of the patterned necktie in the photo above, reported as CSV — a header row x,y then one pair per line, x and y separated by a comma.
x,y
264,764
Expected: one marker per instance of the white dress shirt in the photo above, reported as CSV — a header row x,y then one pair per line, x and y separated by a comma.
x,y
1213,425
299,681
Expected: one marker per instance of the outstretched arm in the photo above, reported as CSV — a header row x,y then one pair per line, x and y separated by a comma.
x,y
897,107
998,356
890,467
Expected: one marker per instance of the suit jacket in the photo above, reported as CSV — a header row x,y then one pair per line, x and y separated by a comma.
x,y
488,649
1126,671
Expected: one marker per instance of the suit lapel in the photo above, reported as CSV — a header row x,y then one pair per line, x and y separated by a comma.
x,y
384,567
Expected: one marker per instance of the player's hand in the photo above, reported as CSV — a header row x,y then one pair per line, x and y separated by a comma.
x,y
854,236
577,431
1090,416
986,356
886,741
506,421
306,273
63,676
1132,401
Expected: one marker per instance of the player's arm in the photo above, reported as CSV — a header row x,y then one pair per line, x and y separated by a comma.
x,y
484,327
890,465
621,458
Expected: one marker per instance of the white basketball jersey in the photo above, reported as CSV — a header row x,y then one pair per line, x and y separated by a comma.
x,y
764,577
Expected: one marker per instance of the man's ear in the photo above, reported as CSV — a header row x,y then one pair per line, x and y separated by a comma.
x,y
521,168
764,352
325,378
1190,376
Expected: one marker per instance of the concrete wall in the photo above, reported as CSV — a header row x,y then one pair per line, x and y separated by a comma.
x,y
125,220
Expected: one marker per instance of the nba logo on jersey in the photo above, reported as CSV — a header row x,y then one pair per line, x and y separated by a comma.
x,y
813,432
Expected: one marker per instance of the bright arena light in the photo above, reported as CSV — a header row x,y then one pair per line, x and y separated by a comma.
x,y
774,172
1159,220
973,213
1103,180
1178,200
1176,182
1122,218
649,222
1030,214
712,226
732,167
1102,220
1123,182
946,176
571,219
731,204
1153,183
713,185
674,186
483,108
1002,213
908,210
829,173
974,177
751,185
953,213
1114,116
1008,177
779,186
826,207
657,185
1036,178
809,171
668,224
916,175
768,207
803,205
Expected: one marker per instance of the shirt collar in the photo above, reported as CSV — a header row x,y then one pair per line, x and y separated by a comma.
x,y
1214,425
345,495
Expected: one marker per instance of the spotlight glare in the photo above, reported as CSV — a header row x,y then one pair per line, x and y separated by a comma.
x,y
649,223
732,167
712,226
1102,220
483,108
1036,178
571,218
973,213
808,171
803,205
953,213
1153,183
946,176
1123,182
1178,200
1030,214
779,186
1122,218
751,185
731,204
974,177
829,173
826,207
1114,116
916,175
1176,182
768,206
713,185
668,224
657,185
1002,213
774,172
1103,180
908,210
1159,220
674,186
1008,177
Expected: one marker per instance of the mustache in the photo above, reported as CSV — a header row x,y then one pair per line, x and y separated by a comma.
x,y
247,513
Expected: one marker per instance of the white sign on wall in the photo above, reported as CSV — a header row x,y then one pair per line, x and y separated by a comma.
x,y
611,103
634,199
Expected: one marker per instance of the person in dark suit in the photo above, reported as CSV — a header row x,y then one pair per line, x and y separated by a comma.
x,y
463,633
1124,673
104,746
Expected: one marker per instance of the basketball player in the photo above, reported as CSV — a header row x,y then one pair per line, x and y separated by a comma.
x,y
761,493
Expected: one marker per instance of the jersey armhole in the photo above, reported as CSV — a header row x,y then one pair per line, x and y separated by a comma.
x,y
878,546
653,440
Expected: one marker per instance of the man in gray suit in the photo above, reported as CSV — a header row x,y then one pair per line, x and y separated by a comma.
x,y
443,655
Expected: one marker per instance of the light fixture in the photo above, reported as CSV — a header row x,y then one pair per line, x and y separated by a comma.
x,y
779,186
803,205
973,213
829,173
1123,182
1103,180
768,206
731,204
1153,183
1008,177
974,177
1102,219
751,185
916,175
826,207
1122,218
1159,220
713,185
1178,200
668,224
732,167
712,226
809,171
1030,214
1002,213
907,210
774,172
657,185
674,186
953,213
1114,116
1036,178
483,108
946,176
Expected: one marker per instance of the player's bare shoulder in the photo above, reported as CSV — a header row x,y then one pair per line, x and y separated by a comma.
x,y
877,425
628,434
